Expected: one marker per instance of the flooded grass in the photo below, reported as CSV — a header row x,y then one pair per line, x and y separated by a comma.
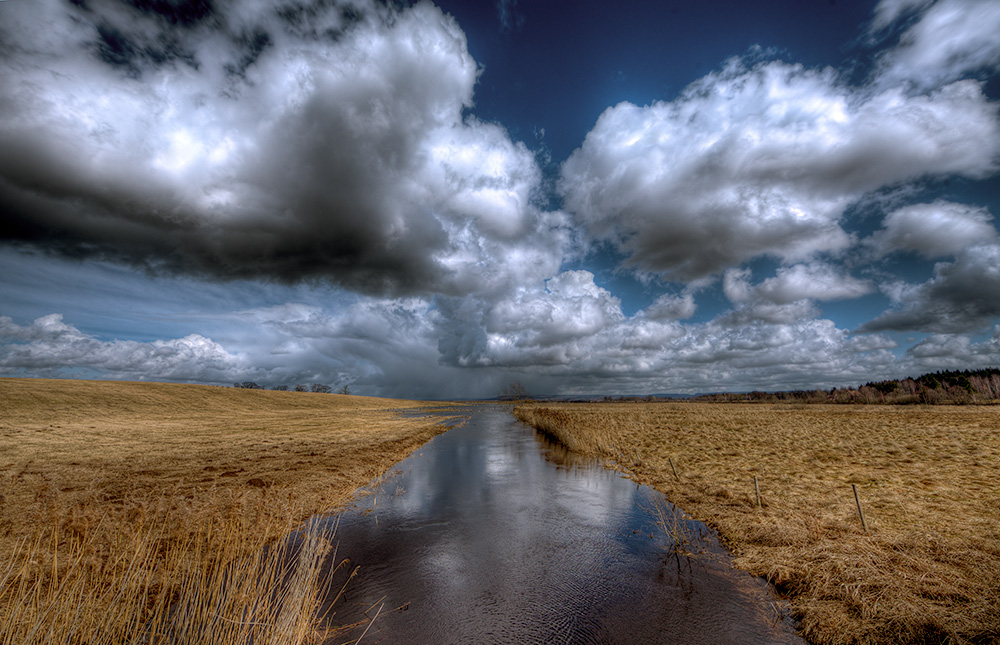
x,y
925,571
155,513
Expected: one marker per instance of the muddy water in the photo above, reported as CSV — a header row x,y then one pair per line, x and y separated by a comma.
x,y
490,534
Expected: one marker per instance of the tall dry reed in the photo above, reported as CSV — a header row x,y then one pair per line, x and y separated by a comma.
x,y
204,575
925,572
157,513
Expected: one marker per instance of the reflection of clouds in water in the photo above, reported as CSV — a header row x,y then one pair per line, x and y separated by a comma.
x,y
491,541
594,495
559,454
500,466
443,562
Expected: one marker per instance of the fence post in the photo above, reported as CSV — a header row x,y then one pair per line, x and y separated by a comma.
x,y
857,500
756,489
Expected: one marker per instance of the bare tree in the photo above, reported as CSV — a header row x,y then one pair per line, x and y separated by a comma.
x,y
345,390
515,392
319,387
247,385
301,387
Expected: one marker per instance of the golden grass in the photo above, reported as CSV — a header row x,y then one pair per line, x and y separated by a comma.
x,y
141,512
928,478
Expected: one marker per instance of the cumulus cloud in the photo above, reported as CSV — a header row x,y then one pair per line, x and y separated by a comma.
x,y
333,141
955,351
319,141
763,161
962,296
392,347
933,230
671,307
573,337
949,40
51,347
817,280
790,294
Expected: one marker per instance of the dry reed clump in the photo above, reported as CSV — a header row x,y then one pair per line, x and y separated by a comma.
x,y
146,580
925,572
157,513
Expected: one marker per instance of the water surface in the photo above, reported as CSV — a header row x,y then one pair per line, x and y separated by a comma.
x,y
491,534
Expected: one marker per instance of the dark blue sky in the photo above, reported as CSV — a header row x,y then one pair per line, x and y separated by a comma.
x,y
433,200
558,68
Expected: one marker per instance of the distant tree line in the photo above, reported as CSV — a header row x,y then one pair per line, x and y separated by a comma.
x,y
951,386
320,388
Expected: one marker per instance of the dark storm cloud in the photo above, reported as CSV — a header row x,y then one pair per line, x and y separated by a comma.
x,y
322,141
963,296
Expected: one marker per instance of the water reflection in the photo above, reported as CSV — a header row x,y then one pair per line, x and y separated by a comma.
x,y
491,534
560,455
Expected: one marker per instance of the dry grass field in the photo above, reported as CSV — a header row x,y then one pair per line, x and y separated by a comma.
x,y
142,512
928,477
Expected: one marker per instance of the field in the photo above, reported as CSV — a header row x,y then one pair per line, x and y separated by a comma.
x,y
928,480
141,512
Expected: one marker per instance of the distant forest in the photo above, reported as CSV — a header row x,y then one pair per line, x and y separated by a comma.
x,y
965,386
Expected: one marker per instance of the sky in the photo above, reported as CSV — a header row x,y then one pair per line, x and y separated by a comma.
x,y
438,200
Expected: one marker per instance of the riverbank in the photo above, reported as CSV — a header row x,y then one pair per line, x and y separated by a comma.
x,y
926,569
122,499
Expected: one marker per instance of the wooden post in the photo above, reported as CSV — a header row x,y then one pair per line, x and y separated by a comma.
x,y
857,500
670,459
756,489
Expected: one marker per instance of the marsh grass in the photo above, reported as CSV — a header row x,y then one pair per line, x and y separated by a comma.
x,y
157,513
927,570
207,588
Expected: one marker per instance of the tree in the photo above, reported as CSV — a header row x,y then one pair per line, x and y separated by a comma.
x,y
301,387
247,385
345,390
515,392
280,388
319,387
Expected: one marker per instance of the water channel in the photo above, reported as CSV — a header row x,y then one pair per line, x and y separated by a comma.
x,y
492,534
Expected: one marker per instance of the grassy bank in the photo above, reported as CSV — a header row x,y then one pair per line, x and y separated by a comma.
x,y
928,479
141,512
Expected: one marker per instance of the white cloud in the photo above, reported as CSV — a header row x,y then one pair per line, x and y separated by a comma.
x,y
670,307
51,347
933,230
573,336
788,296
818,281
889,11
951,39
763,161
955,351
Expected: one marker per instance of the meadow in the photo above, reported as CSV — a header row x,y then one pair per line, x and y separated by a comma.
x,y
923,570
155,513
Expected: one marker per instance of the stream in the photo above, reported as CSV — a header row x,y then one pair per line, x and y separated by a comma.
x,y
490,533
